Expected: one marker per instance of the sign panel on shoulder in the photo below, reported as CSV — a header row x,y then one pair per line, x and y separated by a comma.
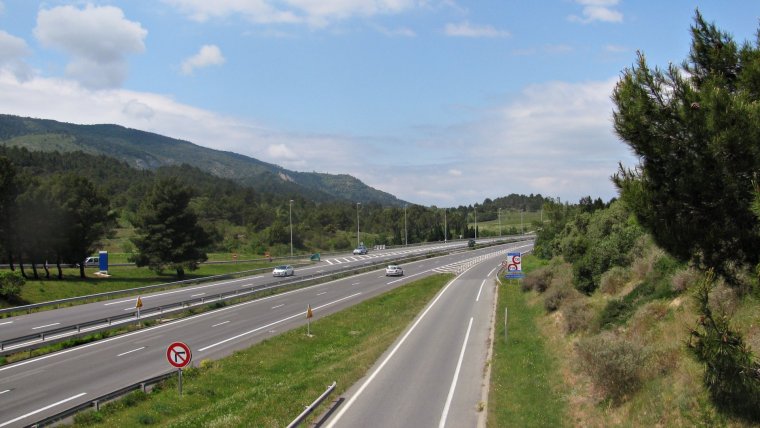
x,y
178,354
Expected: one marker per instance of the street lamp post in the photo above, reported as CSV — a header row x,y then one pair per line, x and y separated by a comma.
x,y
291,227
445,224
499,222
358,204
405,232
476,223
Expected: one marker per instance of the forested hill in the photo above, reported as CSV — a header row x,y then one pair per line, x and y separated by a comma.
x,y
146,150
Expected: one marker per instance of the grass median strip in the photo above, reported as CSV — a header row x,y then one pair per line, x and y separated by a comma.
x,y
270,383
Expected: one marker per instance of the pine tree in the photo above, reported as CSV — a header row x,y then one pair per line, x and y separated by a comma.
x,y
168,231
696,131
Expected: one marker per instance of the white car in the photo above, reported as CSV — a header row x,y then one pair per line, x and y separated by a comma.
x,y
360,250
394,270
284,270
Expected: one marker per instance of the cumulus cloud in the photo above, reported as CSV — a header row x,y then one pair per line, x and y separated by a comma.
x,y
598,10
97,38
13,50
465,29
314,13
207,56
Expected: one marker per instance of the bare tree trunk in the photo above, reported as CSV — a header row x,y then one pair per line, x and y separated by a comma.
x,y
81,270
47,271
58,265
10,260
21,265
34,269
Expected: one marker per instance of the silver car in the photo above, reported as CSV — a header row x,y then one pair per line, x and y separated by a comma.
x,y
394,270
284,270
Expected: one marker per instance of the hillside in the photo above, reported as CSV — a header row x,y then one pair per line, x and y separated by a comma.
x,y
146,150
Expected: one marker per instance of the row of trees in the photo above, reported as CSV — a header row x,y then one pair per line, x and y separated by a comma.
x,y
56,209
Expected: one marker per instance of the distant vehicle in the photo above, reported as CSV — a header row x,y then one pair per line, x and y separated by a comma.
x,y
284,270
394,270
92,261
471,243
360,250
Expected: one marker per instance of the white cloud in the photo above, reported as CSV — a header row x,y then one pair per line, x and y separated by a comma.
x,y
395,32
96,38
455,172
465,29
316,13
13,50
598,10
207,56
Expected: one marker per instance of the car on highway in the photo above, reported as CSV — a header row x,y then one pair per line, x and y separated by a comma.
x,y
360,250
394,270
283,270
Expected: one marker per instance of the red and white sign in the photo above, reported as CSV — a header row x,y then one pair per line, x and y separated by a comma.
x,y
178,354
514,262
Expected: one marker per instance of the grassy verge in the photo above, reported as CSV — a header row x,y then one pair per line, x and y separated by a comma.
x,y
270,383
525,382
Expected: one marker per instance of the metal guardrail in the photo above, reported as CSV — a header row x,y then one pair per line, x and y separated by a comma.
x,y
310,408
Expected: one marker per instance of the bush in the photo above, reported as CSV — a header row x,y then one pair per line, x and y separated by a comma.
x,y
613,364
682,279
11,283
538,280
578,316
614,280
554,297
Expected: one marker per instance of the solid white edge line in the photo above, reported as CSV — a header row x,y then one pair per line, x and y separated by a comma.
x,y
445,413
42,409
477,299
129,352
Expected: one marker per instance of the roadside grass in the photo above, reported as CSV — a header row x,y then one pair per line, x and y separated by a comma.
x,y
270,383
526,386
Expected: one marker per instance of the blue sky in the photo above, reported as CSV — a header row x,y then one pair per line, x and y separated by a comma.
x,y
439,102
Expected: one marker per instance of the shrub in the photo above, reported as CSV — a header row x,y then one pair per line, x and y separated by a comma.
x,y
614,280
11,283
554,297
577,315
613,364
682,279
538,280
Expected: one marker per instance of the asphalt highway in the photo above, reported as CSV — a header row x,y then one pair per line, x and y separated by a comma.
x,y
37,388
46,321
434,375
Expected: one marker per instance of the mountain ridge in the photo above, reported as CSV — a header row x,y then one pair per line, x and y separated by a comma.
x,y
148,150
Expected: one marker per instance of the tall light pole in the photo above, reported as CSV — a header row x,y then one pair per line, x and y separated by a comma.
x,y
405,233
445,231
291,228
476,223
521,221
499,222
358,204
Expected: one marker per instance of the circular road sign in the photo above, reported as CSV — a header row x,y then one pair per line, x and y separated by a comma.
x,y
178,354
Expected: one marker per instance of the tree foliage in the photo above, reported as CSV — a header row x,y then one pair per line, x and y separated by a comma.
x,y
168,232
696,131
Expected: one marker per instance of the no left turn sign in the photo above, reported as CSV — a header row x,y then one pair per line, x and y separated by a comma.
x,y
178,354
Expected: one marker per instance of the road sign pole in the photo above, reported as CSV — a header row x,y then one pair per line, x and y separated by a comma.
x,y
179,373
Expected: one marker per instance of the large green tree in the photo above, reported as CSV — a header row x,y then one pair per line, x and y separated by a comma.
x,y
168,233
696,131
8,194
85,219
